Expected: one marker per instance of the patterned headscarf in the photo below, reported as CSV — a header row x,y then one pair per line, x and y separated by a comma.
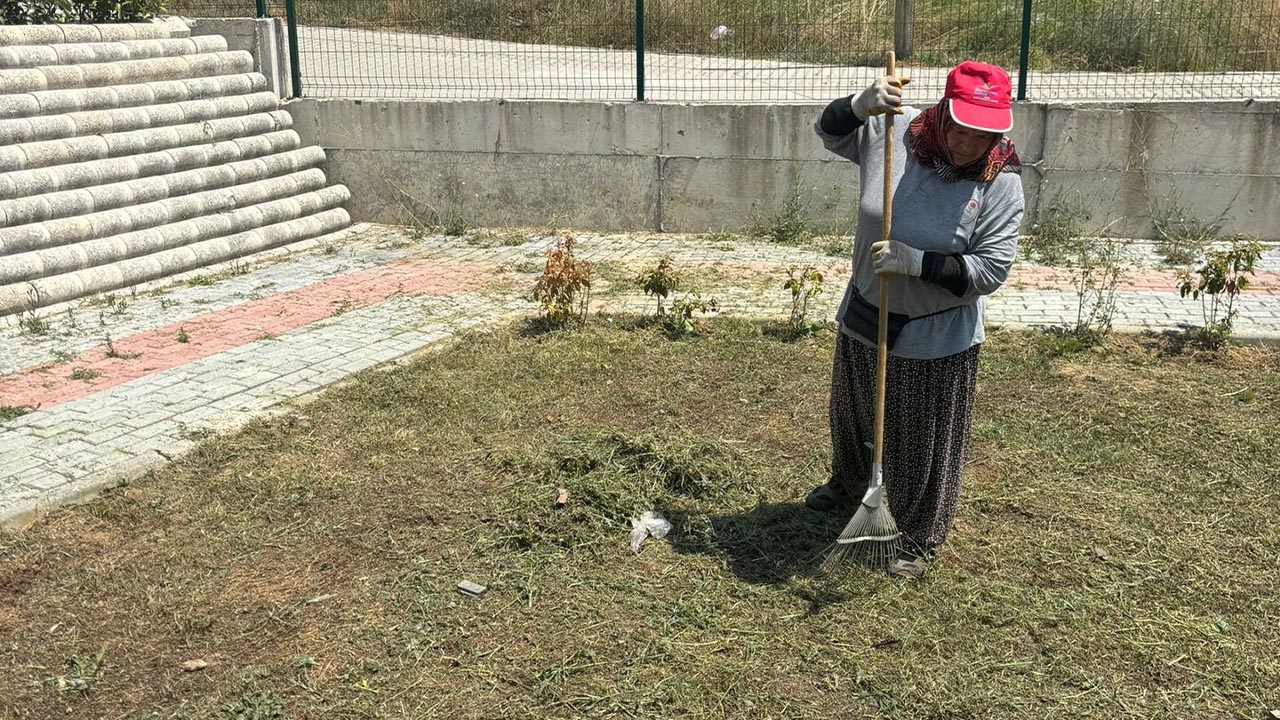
x,y
927,141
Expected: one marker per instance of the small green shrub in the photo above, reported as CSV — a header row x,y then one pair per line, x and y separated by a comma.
x,y
680,321
564,289
1216,285
804,286
660,281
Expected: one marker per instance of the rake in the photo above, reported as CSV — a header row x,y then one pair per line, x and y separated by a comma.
x,y
872,537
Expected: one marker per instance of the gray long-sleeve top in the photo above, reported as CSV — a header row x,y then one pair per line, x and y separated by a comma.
x,y
976,223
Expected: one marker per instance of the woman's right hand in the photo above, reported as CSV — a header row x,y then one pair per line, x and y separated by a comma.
x,y
882,96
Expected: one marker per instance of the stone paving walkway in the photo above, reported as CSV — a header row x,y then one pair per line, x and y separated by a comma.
x,y
113,387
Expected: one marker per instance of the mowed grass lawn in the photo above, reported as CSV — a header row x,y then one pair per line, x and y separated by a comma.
x,y
1115,554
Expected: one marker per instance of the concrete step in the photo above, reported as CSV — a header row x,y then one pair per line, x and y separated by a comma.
x,y
28,156
28,296
140,216
53,102
26,183
98,122
33,56
83,201
247,210
57,77
170,27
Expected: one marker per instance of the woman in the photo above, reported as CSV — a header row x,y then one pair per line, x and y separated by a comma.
x,y
956,211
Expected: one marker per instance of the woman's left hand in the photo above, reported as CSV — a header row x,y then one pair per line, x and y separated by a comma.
x,y
893,257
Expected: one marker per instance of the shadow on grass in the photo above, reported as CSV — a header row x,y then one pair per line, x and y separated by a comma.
x,y
768,545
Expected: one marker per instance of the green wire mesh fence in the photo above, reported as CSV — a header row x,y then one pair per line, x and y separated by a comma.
x,y
736,51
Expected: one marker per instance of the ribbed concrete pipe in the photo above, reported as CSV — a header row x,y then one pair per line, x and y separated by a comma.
x,y
31,56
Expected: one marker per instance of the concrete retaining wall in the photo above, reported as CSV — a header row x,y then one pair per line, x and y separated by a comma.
x,y
692,168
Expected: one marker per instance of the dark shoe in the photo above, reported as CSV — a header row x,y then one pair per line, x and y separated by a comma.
x,y
908,566
827,498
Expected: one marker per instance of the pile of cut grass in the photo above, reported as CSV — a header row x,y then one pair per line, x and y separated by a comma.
x,y
1114,554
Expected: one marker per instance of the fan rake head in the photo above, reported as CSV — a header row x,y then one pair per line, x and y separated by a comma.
x,y
871,538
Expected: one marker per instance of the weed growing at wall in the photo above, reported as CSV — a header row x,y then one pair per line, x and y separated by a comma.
x,y
1095,263
1216,284
1182,239
564,289
789,226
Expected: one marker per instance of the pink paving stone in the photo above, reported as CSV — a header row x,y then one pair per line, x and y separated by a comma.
x,y
1048,278
232,327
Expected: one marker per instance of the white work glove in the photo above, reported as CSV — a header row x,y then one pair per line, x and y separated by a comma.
x,y
891,256
882,96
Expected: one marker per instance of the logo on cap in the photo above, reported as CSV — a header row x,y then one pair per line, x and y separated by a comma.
x,y
986,94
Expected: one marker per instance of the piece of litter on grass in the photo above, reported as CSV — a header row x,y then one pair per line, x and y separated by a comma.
x,y
194,665
470,589
319,599
562,497
1100,553
650,524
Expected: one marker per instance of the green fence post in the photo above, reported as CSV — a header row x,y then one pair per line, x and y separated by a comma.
x,y
639,50
295,71
1025,51
262,8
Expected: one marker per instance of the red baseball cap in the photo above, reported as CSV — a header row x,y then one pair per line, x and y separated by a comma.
x,y
981,96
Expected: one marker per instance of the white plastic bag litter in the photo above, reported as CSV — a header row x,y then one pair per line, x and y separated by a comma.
x,y
648,524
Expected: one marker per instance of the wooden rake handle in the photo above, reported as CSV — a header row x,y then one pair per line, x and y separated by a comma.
x,y
882,341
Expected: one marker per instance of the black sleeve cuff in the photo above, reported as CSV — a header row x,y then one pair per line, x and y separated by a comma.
x,y
838,117
946,271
